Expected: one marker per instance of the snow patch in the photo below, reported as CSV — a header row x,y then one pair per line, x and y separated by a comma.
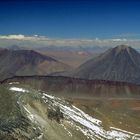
x,y
89,126
18,89
13,83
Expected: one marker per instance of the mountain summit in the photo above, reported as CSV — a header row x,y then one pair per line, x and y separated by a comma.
x,y
121,63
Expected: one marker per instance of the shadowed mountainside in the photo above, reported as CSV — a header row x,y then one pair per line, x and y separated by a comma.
x,y
27,62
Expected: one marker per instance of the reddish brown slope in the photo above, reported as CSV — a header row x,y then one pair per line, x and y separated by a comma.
x,y
71,87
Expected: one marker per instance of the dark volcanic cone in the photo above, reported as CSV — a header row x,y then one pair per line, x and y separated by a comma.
x,y
121,63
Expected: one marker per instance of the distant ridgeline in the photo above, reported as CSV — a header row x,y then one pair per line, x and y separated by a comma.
x,y
79,88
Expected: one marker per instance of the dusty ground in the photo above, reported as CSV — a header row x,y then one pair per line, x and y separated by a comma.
x,y
73,59
120,113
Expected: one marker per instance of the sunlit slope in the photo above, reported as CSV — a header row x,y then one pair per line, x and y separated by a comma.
x,y
52,118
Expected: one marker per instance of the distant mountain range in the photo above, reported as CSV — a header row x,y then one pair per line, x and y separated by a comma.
x,y
121,63
84,49
27,62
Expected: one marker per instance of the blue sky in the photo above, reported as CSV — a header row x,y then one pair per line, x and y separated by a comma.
x,y
71,19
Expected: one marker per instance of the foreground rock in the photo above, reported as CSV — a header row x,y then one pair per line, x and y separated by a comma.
x,y
73,124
